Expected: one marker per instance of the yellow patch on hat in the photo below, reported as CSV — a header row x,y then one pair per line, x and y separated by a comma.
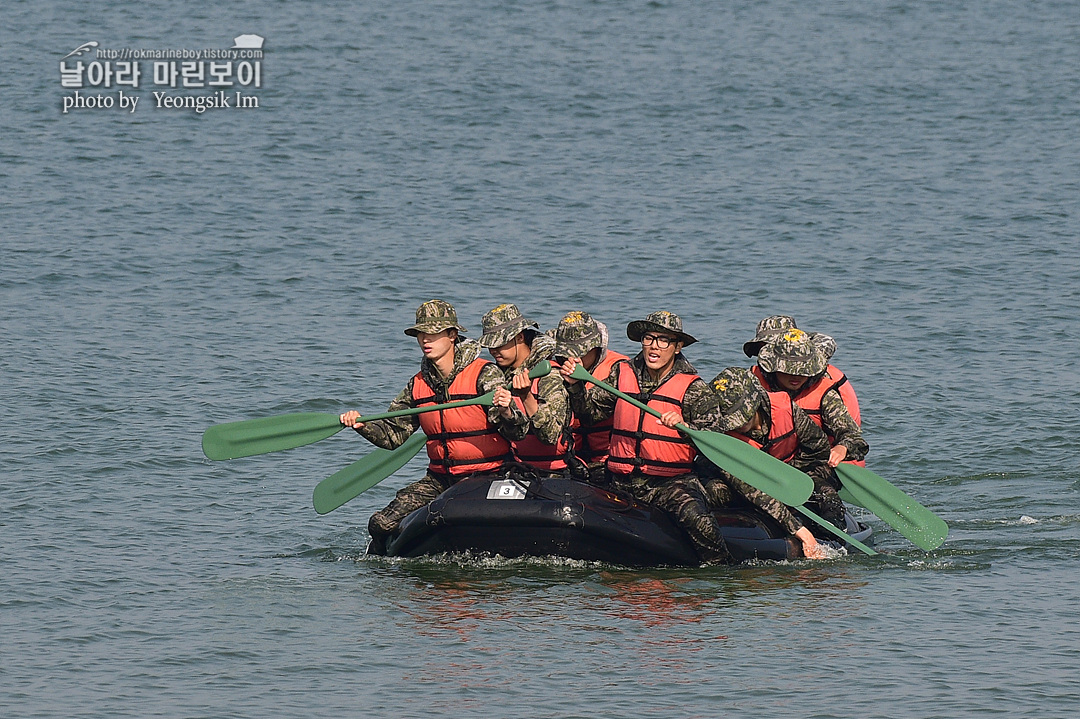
x,y
794,335
720,385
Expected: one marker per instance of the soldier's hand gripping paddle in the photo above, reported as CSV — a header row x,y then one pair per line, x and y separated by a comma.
x,y
758,469
274,434
362,475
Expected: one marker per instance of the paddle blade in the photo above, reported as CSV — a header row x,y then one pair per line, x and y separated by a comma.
x,y
758,469
268,434
860,486
360,476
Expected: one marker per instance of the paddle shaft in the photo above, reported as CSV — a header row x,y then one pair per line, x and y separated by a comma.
x,y
802,509
485,399
581,373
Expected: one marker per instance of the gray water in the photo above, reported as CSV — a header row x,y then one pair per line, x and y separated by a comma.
x,y
900,175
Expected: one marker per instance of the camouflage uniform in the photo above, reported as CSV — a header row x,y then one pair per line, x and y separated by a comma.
x,y
552,417
432,317
683,496
797,353
576,335
740,396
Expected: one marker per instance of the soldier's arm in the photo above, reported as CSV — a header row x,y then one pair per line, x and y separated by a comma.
x,y
842,426
553,409
392,433
592,404
813,449
701,406
511,428
773,507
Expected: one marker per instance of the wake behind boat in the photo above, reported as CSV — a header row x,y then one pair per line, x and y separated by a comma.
x,y
515,515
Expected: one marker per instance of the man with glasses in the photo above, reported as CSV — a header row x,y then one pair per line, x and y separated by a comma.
x,y
648,457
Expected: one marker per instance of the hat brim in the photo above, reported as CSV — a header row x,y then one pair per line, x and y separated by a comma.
x,y
752,347
434,328
499,336
769,362
579,347
637,328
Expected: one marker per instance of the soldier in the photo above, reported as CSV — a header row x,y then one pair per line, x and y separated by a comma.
x,y
773,423
517,346
461,441
648,458
796,364
579,335
770,329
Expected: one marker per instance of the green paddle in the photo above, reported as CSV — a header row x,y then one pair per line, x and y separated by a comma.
x,y
268,434
758,469
862,487
362,475
273,434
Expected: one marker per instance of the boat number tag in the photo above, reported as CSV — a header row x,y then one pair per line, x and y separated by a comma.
x,y
506,489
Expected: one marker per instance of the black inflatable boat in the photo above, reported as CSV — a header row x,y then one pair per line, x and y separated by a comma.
x,y
515,517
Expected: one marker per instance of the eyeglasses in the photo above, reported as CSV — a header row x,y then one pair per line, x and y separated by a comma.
x,y
661,341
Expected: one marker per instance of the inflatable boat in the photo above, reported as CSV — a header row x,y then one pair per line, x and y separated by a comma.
x,y
511,516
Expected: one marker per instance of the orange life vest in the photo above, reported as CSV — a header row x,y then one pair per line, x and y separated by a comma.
x,y
460,440
591,442
782,441
533,452
659,451
810,396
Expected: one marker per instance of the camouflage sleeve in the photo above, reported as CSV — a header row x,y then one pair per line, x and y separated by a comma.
x,y
517,426
592,404
813,449
392,433
840,424
773,507
553,409
701,406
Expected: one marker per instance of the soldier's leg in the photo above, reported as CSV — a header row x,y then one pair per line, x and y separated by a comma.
x,y
408,499
684,499
717,492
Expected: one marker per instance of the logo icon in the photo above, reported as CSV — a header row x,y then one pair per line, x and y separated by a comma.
x,y
85,47
247,42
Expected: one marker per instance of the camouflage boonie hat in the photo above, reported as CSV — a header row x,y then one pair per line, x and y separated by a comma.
x,y
768,330
825,343
503,324
661,321
433,317
795,352
576,334
739,395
